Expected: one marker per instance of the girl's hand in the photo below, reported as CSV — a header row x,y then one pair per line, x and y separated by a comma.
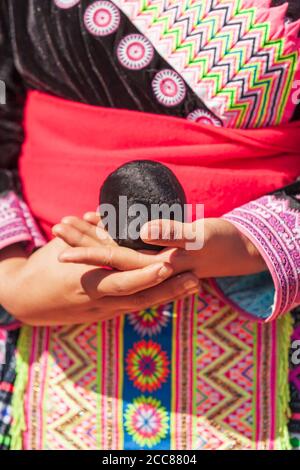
x,y
39,290
225,251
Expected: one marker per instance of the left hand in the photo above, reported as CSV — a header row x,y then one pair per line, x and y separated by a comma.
x,y
225,251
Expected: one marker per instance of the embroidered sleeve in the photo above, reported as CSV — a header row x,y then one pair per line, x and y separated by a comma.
x,y
272,223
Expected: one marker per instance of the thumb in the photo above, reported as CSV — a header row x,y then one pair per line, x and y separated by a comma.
x,y
168,233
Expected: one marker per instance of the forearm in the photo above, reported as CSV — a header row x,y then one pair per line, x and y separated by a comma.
x,y
233,252
12,259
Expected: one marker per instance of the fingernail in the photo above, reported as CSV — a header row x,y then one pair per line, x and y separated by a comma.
x,y
165,271
190,285
56,229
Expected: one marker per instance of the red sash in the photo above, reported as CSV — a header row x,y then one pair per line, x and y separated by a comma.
x,y
70,148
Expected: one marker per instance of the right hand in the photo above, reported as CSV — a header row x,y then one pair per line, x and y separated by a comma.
x,y
40,290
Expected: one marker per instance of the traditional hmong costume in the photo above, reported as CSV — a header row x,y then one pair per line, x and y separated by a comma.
x,y
210,89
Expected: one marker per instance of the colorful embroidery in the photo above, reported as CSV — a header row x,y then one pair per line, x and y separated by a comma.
x,y
13,224
151,321
274,227
294,424
135,52
220,380
146,421
147,365
239,58
201,116
66,3
168,88
102,18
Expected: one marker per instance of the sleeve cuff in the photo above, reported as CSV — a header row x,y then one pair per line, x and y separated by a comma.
x,y
274,228
17,223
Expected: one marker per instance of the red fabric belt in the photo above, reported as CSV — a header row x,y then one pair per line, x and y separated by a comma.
x,y
70,148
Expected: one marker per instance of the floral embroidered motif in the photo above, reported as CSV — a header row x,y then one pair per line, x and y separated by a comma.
x,y
168,88
66,3
102,18
146,421
201,116
147,366
240,57
135,52
151,321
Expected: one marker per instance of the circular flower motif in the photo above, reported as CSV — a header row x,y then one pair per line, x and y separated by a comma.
x,y
135,52
168,88
202,116
147,365
102,18
146,421
66,3
151,321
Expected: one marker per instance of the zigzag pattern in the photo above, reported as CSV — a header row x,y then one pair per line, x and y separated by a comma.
x,y
241,60
224,377
72,420
78,406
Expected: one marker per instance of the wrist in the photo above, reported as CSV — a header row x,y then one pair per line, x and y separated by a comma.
x,y
12,259
237,253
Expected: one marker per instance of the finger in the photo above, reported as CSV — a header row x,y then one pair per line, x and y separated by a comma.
x,y
85,226
94,231
172,289
82,225
85,237
168,233
92,217
121,258
105,283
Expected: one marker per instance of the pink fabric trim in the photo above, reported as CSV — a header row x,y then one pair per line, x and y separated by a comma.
x,y
17,224
12,326
13,227
274,228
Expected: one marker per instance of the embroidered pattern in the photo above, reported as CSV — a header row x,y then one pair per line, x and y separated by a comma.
x,y
13,227
151,321
201,116
135,52
294,425
66,3
275,227
147,365
208,399
146,421
102,18
168,88
241,59
17,224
